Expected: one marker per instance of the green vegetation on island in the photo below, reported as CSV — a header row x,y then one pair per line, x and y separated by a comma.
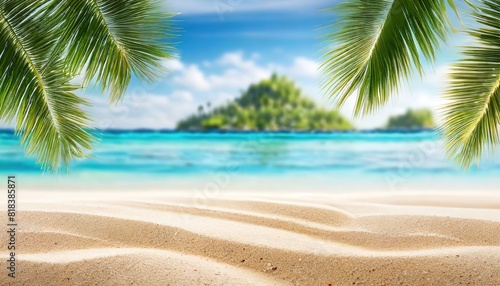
x,y
412,119
273,104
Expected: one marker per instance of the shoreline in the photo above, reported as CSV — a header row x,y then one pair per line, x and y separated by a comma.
x,y
227,182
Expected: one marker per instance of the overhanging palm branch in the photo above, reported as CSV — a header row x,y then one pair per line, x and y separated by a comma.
x,y
110,40
46,110
472,115
380,43
376,44
47,42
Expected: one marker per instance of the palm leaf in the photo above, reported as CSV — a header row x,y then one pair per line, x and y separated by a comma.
x,y
47,42
110,40
47,112
378,43
472,115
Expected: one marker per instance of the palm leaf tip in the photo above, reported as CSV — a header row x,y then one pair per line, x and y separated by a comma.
x,y
472,114
115,39
378,43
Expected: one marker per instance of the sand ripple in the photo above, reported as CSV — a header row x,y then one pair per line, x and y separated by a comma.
x,y
159,239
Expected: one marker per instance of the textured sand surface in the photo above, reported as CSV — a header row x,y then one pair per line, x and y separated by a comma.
x,y
158,238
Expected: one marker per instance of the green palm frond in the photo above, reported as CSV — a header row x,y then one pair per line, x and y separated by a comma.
x,y
47,112
472,116
113,39
46,43
378,43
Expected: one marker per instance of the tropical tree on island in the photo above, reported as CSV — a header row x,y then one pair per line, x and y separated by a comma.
x,y
377,44
272,104
47,43
412,119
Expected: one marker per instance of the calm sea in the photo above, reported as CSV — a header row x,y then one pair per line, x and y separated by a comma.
x,y
257,161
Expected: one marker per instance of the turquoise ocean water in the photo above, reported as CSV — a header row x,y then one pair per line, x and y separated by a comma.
x,y
270,161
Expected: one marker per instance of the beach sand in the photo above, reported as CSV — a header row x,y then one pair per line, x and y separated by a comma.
x,y
158,238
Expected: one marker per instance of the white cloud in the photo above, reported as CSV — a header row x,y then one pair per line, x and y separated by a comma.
x,y
235,59
240,72
183,95
437,78
193,77
150,111
239,64
235,78
304,67
173,65
237,72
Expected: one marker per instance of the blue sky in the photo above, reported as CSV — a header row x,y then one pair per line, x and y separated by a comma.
x,y
225,45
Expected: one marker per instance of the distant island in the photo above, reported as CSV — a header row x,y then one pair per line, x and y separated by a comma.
x,y
271,105
412,119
